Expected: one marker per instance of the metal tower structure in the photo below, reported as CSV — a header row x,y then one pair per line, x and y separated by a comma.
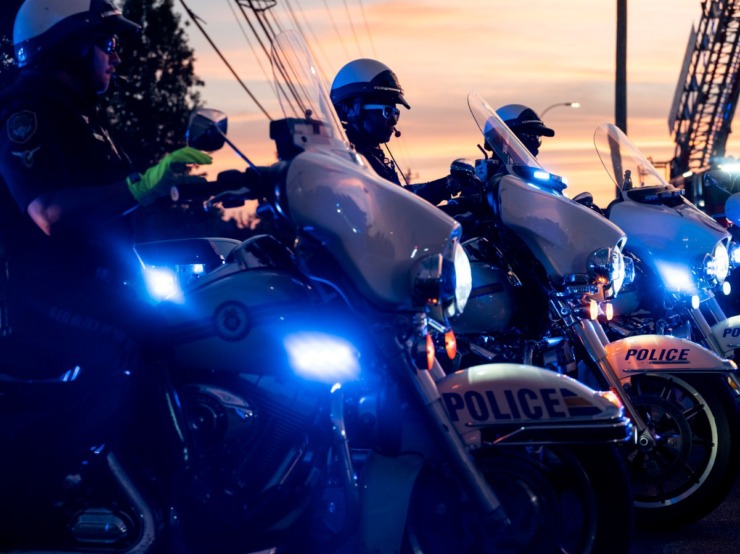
x,y
706,93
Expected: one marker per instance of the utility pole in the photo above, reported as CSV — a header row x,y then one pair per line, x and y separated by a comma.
x,y
620,97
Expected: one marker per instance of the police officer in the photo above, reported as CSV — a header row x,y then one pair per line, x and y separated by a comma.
x,y
366,95
526,124
65,192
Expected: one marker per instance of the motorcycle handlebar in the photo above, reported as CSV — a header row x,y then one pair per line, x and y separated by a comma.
x,y
230,185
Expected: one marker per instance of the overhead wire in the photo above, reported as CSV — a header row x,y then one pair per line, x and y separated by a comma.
x,y
315,41
249,42
268,51
197,21
352,27
336,29
367,29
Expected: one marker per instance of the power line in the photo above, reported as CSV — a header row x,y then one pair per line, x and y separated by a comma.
x,y
249,42
352,26
310,29
196,20
336,29
367,28
268,53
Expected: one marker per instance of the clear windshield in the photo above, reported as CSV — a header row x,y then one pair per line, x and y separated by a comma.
x,y
300,90
499,137
624,163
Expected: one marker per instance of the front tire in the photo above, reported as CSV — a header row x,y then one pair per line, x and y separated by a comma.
x,y
573,499
694,461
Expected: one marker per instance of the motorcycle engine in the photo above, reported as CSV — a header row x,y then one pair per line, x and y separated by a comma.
x,y
254,447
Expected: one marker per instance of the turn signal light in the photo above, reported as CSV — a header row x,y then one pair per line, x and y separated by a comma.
x,y
430,352
450,344
593,309
608,311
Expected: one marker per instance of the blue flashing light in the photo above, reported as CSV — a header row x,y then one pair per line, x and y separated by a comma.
x,y
322,357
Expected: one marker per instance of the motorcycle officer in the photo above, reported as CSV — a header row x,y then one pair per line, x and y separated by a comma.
x,y
526,125
366,94
66,190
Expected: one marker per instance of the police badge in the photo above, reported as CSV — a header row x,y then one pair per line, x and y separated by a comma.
x,y
21,126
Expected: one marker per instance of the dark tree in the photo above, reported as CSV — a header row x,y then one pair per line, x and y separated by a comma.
x,y
8,69
149,111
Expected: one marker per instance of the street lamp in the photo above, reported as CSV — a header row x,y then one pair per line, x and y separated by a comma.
x,y
573,105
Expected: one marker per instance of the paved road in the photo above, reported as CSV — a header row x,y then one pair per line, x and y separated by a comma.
x,y
718,533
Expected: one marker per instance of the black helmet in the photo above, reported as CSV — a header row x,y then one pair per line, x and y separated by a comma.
x,y
41,25
367,77
522,119
526,124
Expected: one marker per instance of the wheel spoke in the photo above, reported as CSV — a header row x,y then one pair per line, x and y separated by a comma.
x,y
694,411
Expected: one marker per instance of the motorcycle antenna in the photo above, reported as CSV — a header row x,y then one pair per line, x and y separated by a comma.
x,y
406,182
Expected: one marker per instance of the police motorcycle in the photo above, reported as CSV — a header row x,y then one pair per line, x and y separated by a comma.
x,y
682,256
300,410
546,272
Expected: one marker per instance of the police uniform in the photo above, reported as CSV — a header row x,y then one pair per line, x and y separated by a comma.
x,y
50,139
434,191
73,318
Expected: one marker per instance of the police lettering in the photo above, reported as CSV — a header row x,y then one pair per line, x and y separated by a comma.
x,y
732,331
658,354
506,404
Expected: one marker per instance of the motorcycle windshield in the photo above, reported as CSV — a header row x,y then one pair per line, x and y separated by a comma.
x,y
624,163
666,231
376,230
509,149
561,233
303,96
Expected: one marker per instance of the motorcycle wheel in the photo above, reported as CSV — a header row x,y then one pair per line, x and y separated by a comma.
x,y
694,461
573,499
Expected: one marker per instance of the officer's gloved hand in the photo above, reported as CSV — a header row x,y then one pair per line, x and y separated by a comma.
x,y
462,178
169,172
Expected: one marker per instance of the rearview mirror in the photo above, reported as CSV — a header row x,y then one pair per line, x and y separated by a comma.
x,y
207,129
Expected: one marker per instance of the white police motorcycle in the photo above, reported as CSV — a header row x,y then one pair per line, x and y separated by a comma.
x,y
307,386
682,256
546,273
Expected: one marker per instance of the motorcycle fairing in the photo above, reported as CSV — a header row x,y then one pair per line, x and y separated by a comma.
x,y
727,335
242,315
525,400
662,353
685,234
559,232
363,221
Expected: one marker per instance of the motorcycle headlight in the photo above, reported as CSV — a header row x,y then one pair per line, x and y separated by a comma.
x,y
717,265
734,253
463,278
607,266
444,281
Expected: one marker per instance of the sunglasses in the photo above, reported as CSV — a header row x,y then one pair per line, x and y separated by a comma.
x,y
389,112
109,44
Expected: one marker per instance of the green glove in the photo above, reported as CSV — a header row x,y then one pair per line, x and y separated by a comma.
x,y
159,179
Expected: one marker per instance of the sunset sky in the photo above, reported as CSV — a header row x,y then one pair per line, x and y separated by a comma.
x,y
534,52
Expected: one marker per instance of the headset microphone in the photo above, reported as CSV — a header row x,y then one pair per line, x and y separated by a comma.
x,y
396,132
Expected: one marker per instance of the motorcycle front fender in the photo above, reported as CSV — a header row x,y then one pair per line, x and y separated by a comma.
x,y
663,353
726,334
524,404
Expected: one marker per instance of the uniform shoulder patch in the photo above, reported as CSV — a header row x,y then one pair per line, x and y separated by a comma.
x,y
21,126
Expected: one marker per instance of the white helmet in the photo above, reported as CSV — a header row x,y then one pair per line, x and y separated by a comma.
x,y
367,77
40,25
